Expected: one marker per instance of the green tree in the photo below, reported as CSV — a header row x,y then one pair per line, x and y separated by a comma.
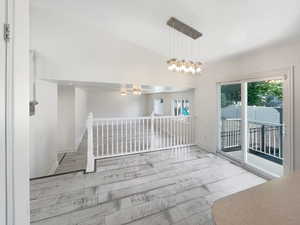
x,y
259,93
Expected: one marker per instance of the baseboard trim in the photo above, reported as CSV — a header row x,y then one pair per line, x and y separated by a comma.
x,y
59,174
206,148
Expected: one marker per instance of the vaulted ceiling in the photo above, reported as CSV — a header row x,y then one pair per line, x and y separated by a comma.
x,y
229,27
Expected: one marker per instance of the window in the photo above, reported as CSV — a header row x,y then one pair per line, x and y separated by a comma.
x,y
181,107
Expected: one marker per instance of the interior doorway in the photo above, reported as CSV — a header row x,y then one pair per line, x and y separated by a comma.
x,y
254,117
158,106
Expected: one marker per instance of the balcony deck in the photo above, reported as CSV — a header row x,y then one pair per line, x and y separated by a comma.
x,y
237,154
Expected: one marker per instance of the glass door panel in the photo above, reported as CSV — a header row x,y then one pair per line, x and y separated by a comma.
x,y
265,125
230,121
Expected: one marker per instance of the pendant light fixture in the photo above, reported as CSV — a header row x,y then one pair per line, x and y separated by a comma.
x,y
123,90
136,89
181,65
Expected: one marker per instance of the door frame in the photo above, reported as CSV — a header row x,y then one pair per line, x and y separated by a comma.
x,y
7,167
287,74
3,183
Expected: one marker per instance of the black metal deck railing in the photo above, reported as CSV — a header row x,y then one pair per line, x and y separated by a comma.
x,y
264,139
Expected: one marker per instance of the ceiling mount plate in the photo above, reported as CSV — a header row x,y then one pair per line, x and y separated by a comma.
x,y
183,28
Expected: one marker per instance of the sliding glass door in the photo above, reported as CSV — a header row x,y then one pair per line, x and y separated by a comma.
x,y
265,125
253,118
230,121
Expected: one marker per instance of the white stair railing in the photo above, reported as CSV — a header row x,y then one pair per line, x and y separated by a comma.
x,y
90,162
109,137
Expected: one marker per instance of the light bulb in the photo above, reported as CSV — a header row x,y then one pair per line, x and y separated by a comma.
x,y
193,71
137,92
198,70
173,67
186,69
182,67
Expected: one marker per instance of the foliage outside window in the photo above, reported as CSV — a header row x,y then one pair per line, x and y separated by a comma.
x,y
263,93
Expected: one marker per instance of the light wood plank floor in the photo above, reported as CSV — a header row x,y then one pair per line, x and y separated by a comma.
x,y
136,139
73,161
171,187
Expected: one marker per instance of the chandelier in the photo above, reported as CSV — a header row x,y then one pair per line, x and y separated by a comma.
x,y
180,65
184,66
123,92
136,89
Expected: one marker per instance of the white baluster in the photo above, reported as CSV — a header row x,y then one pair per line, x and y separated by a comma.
x,y
168,132
112,138
102,137
152,133
177,131
279,143
126,132
90,167
97,133
107,138
173,133
131,141
117,130
147,125
139,147
122,136
143,134
160,133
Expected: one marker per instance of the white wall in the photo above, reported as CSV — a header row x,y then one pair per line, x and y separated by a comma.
x,y
20,114
57,126
168,100
66,118
43,131
81,114
109,103
242,67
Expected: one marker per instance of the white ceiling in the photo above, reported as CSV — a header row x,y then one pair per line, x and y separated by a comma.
x,y
229,27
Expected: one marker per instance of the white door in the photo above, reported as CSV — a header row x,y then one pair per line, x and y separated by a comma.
x,y
3,191
158,106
